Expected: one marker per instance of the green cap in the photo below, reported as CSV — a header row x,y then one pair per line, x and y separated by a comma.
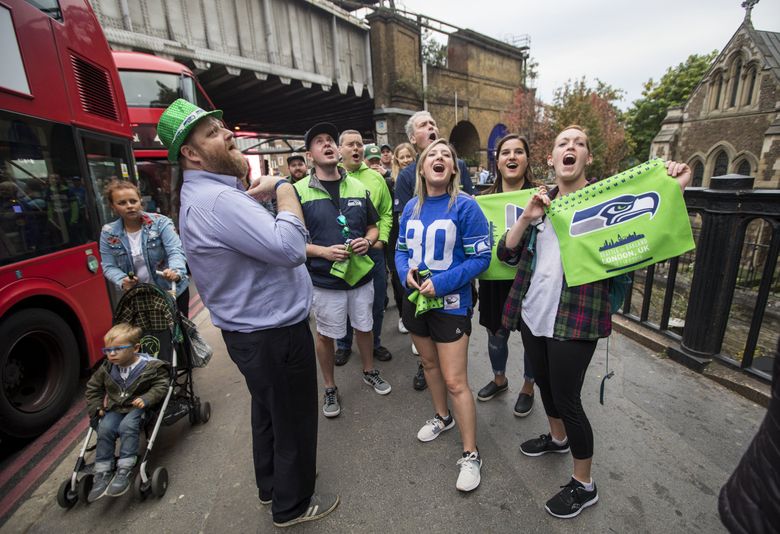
x,y
177,122
372,152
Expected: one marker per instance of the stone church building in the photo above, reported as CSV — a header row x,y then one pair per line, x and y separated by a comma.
x,y
731,122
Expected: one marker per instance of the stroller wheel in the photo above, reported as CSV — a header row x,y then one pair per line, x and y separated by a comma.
x,y
194,412
204,412
159,482
140,489
66,497
84,487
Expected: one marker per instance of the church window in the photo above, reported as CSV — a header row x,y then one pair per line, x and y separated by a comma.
x,y
736,77
698,174
721,164
744,168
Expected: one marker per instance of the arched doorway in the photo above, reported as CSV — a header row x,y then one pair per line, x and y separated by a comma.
x,y
498,131
465,139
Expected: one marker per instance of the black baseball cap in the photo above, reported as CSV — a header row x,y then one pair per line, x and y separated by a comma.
x,y
320,128
385,146
294,156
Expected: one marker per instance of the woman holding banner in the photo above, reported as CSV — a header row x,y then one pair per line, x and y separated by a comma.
x,y
560,325
443,244
513,174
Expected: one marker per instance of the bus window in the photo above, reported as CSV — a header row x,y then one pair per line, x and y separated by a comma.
x,y
107,161
43,202
159,180
149,89
193,93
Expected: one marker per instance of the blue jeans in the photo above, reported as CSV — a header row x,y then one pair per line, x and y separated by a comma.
x,y
498,350
379,273
126,427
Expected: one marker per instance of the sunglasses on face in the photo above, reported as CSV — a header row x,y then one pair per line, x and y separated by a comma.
x,y
109,350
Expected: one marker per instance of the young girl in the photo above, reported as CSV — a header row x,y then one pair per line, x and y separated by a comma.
x,y
444,232
542,306
513,174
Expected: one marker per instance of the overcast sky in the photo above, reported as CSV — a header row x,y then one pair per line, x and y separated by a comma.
x,y
621,42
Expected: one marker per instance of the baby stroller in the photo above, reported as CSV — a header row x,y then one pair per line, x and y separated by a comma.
x,y
155,312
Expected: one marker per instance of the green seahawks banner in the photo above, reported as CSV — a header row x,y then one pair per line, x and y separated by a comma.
x,y
501,211
626,222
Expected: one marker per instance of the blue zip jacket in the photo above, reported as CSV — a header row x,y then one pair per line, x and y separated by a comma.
x,y
161,247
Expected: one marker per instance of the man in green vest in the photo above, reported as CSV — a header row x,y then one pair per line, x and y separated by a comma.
x,y
352,154
341,221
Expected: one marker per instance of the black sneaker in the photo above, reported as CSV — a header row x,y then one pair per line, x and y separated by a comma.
x,y
382,354
491,390
342,356
542,445
524,405
571,500
266,498
419,382
319,506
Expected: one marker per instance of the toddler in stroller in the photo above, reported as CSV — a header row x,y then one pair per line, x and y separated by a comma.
x,y
150,332
118,395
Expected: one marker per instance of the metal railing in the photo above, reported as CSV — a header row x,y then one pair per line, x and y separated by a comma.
x,y
721,300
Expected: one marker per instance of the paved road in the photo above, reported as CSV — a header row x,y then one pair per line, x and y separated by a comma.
x,y
666,440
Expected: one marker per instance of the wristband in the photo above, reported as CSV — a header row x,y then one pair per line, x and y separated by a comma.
x,y
370,243
280,183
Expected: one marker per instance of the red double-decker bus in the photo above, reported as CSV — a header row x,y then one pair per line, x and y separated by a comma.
x,y
150,84
64,132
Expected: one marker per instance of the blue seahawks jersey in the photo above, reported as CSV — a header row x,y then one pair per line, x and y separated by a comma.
x,y
453,243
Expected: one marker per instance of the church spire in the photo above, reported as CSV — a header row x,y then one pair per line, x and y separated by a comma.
x,y
748,5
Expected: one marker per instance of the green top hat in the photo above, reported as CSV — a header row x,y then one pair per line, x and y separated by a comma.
x,y
177,122
372,152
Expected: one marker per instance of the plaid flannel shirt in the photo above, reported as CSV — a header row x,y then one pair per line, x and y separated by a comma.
x,y
583,311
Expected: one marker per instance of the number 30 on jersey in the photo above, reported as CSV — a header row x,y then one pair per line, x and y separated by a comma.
x,y
438,240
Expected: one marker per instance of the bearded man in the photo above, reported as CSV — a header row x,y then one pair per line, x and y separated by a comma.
x,y
249,267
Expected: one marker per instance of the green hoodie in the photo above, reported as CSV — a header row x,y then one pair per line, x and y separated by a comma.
x,y
380,197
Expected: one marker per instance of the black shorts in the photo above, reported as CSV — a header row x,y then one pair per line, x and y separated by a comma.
x,y
439,326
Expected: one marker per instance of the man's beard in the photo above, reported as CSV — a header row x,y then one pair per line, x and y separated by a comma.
x,y
225,163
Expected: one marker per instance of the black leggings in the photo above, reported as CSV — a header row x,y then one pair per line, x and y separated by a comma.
x,y
559,370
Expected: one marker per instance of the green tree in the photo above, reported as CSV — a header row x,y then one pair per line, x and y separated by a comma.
x,y
644,117
434,53
595,109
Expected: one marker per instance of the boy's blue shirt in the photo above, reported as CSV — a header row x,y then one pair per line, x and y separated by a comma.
x,y
453,244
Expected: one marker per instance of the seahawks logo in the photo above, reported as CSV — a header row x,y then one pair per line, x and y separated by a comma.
x,y
613,212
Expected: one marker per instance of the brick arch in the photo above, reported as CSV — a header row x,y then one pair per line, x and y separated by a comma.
x,y
696,163
742,157
465,138
713,157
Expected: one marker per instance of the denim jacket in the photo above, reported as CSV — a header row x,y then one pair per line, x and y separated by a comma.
x,y
161,247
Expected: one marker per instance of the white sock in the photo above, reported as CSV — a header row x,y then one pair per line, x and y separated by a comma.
x,y
559,443
588,486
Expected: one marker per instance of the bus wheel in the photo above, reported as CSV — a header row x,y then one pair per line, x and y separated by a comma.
x,y
39,371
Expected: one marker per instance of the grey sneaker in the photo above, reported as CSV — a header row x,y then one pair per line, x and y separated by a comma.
x,y
373,379
100,485
121,482
433,427
319,506
331,406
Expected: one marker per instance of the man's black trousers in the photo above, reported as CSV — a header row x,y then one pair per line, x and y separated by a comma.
x,y
280,369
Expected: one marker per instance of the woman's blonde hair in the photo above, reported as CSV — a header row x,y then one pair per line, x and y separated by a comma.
x,y
115,185
396,166
453,188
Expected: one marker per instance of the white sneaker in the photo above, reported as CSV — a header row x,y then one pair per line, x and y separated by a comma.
x,y
415,351
401,327
433,427
470,466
